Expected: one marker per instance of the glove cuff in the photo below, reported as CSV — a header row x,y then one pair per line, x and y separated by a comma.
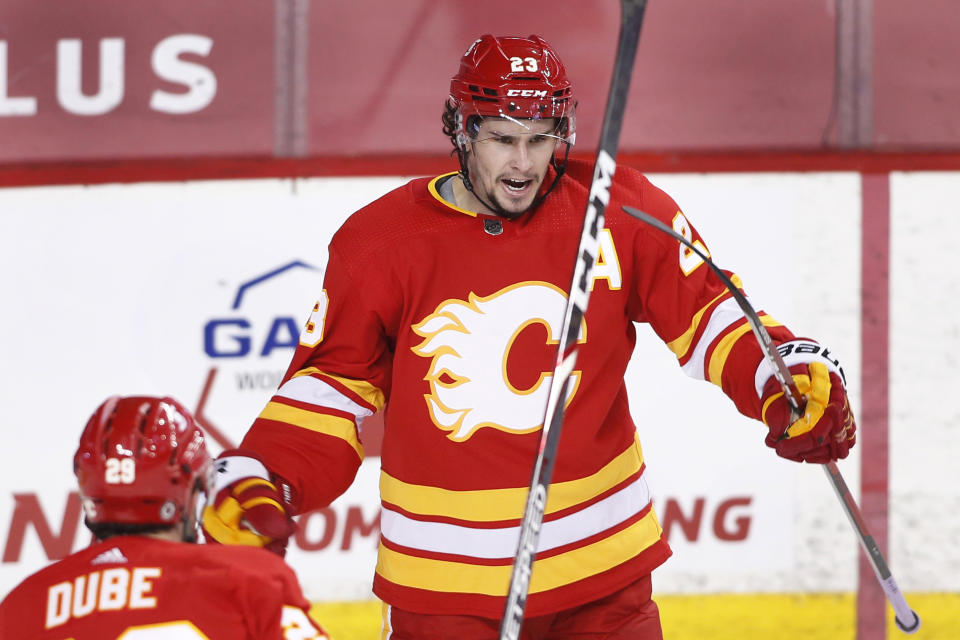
x,y
235,464
800,351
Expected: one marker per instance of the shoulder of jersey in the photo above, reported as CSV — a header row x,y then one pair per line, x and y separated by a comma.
x,y
40,580
414,191
244,558
390,209
239,558
582,172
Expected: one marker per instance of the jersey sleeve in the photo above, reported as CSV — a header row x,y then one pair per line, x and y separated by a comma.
x,y
691,310
309,432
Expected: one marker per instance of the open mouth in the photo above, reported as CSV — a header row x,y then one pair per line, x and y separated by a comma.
x,y
516,186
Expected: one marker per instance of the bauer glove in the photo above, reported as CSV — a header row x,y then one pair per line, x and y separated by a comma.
x,y
247,507
826,430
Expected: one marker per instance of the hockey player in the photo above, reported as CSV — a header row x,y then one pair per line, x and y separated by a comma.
x,y
142,469
442,305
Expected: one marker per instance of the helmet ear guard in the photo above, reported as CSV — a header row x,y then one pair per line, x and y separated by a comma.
x,y
468,128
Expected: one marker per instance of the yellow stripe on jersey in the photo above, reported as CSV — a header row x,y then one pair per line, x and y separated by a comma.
x,y
493,505
720,353
548,573
371,395
253,482
336,426
432,188
253,502
681,345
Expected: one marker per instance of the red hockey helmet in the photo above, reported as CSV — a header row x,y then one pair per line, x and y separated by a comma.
x,y
139,460
513,78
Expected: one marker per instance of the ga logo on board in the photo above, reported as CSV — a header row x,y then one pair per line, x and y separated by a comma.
x,y
250,344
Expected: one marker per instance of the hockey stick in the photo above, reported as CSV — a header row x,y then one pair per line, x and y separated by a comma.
x,y
782,374
631,18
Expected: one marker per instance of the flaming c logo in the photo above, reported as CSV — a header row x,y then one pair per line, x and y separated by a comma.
x,y
469,342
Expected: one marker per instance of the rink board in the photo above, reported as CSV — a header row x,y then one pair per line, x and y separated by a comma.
x,y
194,289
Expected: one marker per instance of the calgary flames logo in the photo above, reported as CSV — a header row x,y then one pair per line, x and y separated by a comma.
x,y
469,342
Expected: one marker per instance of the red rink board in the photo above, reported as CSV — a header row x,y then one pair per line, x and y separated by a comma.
x,y
238,121
367,78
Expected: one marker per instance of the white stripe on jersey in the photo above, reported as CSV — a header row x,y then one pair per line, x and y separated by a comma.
x,y
727,313
317,392
501,542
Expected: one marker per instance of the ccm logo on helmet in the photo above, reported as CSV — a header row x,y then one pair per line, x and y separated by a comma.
x,y
526,93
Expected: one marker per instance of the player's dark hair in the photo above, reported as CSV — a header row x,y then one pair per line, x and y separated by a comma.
x,y
450,128
449,118
105,530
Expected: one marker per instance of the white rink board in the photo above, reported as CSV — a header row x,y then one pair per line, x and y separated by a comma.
x,y
109,290
924,373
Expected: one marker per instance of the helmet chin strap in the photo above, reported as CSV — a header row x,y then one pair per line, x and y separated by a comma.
x,y
498,210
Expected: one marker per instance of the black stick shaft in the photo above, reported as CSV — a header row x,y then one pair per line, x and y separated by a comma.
x,y
631,19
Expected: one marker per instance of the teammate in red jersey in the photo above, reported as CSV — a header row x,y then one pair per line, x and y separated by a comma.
x,y
142,468
442,305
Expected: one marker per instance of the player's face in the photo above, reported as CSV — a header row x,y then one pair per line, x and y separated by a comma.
x,y
508,161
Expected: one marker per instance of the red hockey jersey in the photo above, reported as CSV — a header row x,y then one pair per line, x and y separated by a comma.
x,y
140,588
449,321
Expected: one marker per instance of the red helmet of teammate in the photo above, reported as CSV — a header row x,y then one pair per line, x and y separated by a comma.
x,y
512,78
139,461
